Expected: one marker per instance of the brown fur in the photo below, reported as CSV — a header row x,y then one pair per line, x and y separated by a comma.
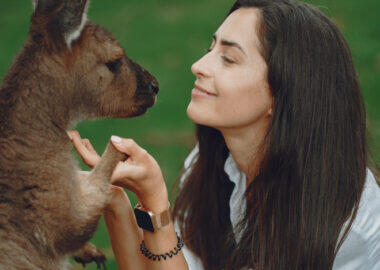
x,y
46,210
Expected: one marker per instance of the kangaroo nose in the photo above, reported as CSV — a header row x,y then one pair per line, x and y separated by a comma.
x,y
154,87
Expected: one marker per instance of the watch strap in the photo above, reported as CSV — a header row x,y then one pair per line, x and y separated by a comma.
x,y
157,220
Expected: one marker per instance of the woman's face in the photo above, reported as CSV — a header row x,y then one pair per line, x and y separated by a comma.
x,y
231,88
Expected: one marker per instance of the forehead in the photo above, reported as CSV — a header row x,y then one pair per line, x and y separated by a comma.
x,y
241,27
97,40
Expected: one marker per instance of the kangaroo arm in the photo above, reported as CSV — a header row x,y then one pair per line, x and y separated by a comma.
x,y
95,185
105,167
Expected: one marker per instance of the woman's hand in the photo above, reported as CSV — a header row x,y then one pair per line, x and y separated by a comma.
x,y
119,199
141,174
84,148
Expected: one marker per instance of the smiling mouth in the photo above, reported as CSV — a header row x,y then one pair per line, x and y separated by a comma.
x,y
197,88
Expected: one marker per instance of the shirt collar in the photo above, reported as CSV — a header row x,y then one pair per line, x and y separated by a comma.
x,y
233,171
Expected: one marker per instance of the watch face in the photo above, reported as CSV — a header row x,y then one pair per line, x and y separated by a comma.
x,y
143,220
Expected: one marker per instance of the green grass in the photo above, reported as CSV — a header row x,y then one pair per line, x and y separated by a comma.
x,y
166,37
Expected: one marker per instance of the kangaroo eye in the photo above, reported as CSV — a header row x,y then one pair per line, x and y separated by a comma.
x,y
114,65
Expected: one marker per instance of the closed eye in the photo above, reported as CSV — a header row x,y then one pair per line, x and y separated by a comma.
x,y
225,58
114,66
228,60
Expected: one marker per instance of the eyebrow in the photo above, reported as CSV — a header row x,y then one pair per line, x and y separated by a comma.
x,y
229,43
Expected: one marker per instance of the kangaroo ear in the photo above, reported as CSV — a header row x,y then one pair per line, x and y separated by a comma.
x,y
45,6
67,17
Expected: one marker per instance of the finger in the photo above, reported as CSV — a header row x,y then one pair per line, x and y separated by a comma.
x,y
72,133
76,140
127,146
125,185
69,134
127,174
79,144
89,146
90,159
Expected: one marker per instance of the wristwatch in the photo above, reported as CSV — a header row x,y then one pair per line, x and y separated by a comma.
x,y
149,221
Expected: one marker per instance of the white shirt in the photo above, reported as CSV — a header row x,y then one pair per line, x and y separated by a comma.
x,y
359,251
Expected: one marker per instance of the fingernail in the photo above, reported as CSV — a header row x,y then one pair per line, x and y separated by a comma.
x,y
116,139
68,134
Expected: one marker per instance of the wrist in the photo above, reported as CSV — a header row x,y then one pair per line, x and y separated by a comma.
x,y
157,202
149,221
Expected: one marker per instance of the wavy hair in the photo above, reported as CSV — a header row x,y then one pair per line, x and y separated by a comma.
x,y
312,175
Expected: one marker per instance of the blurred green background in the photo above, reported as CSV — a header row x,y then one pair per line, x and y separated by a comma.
x,y
166,37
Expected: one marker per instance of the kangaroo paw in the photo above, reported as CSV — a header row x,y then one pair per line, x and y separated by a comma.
x,y
89,253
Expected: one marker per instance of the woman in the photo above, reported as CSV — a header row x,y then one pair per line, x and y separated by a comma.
x,y
279,177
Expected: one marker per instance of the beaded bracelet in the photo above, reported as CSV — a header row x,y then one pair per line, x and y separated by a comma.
x,y
169,254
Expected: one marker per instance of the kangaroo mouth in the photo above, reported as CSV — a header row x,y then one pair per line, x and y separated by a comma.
x,y
140,109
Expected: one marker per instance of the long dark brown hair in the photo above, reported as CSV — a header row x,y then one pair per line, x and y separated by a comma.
x,y
314,167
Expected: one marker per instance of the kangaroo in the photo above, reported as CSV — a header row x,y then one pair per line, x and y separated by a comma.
x,y
68,71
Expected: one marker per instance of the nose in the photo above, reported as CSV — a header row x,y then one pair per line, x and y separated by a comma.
x,y
154,86
200,68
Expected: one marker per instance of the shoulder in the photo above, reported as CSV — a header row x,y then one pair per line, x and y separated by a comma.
x,y
361,248
368,216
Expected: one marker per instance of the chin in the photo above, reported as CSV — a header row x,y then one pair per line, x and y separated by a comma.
x,y
191,114
133,111
137,111
199,117
141,109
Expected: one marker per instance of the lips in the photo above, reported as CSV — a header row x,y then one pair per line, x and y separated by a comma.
x,y
201,89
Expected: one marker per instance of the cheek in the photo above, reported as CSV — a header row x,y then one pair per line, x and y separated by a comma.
x,y
242,99
241,109
98,79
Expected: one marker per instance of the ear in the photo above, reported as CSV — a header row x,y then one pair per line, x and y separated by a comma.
x,y
68,17
270,110
43,6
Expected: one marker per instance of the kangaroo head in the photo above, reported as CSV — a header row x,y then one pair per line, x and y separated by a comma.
x,y
84,65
